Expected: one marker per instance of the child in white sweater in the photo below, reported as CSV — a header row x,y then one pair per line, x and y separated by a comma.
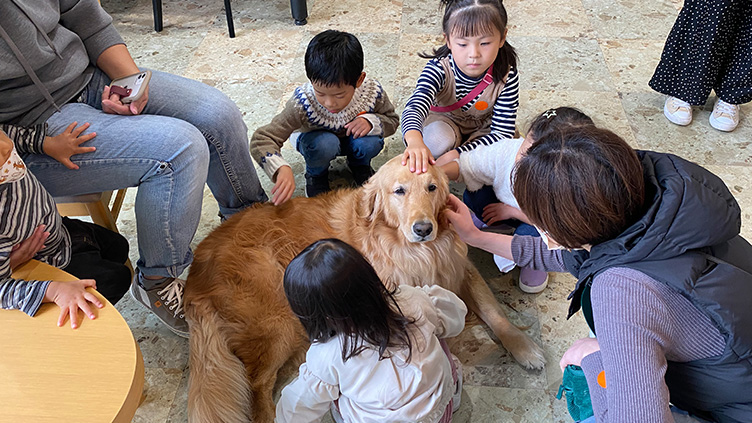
x,y
488,170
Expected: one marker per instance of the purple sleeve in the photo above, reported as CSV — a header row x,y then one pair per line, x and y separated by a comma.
x,y
633,326
532,252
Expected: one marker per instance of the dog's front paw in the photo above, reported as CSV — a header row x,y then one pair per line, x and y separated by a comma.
x,y
523,349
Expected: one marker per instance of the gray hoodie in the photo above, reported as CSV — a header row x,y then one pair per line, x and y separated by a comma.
x,y
47,52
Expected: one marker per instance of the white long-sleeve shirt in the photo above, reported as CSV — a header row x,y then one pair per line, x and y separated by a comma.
x,y
491,165
370,390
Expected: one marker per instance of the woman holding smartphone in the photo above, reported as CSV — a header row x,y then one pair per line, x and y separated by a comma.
x,y
59,58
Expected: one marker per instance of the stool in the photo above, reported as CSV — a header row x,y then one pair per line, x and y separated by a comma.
x,y
97,206
297,7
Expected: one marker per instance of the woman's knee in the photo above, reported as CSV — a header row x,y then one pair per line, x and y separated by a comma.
x,y
439,137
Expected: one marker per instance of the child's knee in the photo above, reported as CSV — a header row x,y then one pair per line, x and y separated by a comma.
x,y
367,147
439,137
318,146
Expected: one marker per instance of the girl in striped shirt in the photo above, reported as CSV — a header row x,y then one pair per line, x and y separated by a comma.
x,y
468,93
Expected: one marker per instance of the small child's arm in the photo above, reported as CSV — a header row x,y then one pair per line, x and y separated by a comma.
x,y
306,399
383,119
450,311
27,139
267,140
266,143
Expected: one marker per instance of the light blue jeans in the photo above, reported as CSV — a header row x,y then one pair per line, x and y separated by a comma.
x,y
319,148
188,134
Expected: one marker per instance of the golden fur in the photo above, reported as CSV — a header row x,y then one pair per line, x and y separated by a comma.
x,y
242,331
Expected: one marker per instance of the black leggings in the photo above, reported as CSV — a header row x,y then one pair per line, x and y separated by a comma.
x,y
99,253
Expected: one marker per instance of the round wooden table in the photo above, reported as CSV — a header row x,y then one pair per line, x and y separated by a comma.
x,y
57,374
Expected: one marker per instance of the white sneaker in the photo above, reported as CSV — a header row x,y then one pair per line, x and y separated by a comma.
x,y
678,111
725,116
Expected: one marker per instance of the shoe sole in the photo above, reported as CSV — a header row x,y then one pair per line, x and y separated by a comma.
x,y
720,126
533,289
173,330
673,120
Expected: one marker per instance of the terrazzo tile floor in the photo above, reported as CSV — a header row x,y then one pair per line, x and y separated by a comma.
x,y
597,55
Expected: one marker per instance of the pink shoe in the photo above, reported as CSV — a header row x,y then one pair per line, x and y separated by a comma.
x,y
532,281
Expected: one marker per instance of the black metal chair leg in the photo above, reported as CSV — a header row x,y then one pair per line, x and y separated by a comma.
x,y
299,11
230,24
157,5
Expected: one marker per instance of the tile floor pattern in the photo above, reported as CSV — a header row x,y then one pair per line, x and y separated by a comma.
x,y
597,55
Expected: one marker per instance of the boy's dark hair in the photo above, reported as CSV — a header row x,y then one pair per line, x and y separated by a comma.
x,y
556,119
582,185
334,291
334,58
468,18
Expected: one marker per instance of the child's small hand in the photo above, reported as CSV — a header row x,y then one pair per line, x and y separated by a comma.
x,y
284,185
72,296
581,348
359,127
28,248
67,144
497,212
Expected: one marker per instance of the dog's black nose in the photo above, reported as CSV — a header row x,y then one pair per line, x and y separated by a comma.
x,y
423,229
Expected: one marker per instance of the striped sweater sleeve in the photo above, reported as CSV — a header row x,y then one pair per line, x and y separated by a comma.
x,y
504,115
26,139
430,82
23,295
24,205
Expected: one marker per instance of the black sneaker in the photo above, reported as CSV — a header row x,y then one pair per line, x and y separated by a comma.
x,y
165,300
315,185
361,173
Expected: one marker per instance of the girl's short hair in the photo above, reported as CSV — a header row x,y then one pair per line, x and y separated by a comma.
x,y
334,291
582,185
555,119
468,18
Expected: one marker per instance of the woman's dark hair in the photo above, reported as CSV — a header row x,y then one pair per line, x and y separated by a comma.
x,y
334,291
470,18
582,185
334,58
556,119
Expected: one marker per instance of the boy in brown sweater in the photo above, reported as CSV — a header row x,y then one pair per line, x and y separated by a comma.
x,y
339,112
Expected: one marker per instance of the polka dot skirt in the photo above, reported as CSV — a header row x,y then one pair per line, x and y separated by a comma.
x,y
709,48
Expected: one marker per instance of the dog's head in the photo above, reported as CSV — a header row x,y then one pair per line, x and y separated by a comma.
x,y
406,201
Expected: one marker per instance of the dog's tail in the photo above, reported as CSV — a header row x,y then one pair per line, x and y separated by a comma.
x,y
218,388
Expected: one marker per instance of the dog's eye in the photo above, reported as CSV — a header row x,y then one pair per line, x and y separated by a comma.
x,y
432,187
400,191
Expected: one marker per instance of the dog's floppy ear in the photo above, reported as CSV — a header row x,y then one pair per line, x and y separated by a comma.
x,y
370,201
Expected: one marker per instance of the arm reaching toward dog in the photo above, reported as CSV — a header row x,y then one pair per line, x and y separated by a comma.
x,y
459,216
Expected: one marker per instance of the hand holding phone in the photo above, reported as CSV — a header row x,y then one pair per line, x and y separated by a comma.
x,y
132,87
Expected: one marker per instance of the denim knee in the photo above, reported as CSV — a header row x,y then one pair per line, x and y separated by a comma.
x,y
318,148
364,149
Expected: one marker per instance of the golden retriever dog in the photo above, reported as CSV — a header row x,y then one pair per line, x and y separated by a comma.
x,y
242,331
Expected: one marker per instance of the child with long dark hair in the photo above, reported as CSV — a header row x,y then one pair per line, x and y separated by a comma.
x,y
468,93
375,354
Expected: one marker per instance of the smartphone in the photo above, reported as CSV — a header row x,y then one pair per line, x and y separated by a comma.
x,y
131,88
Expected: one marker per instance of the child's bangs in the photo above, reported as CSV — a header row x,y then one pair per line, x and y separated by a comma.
x,y
475,22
